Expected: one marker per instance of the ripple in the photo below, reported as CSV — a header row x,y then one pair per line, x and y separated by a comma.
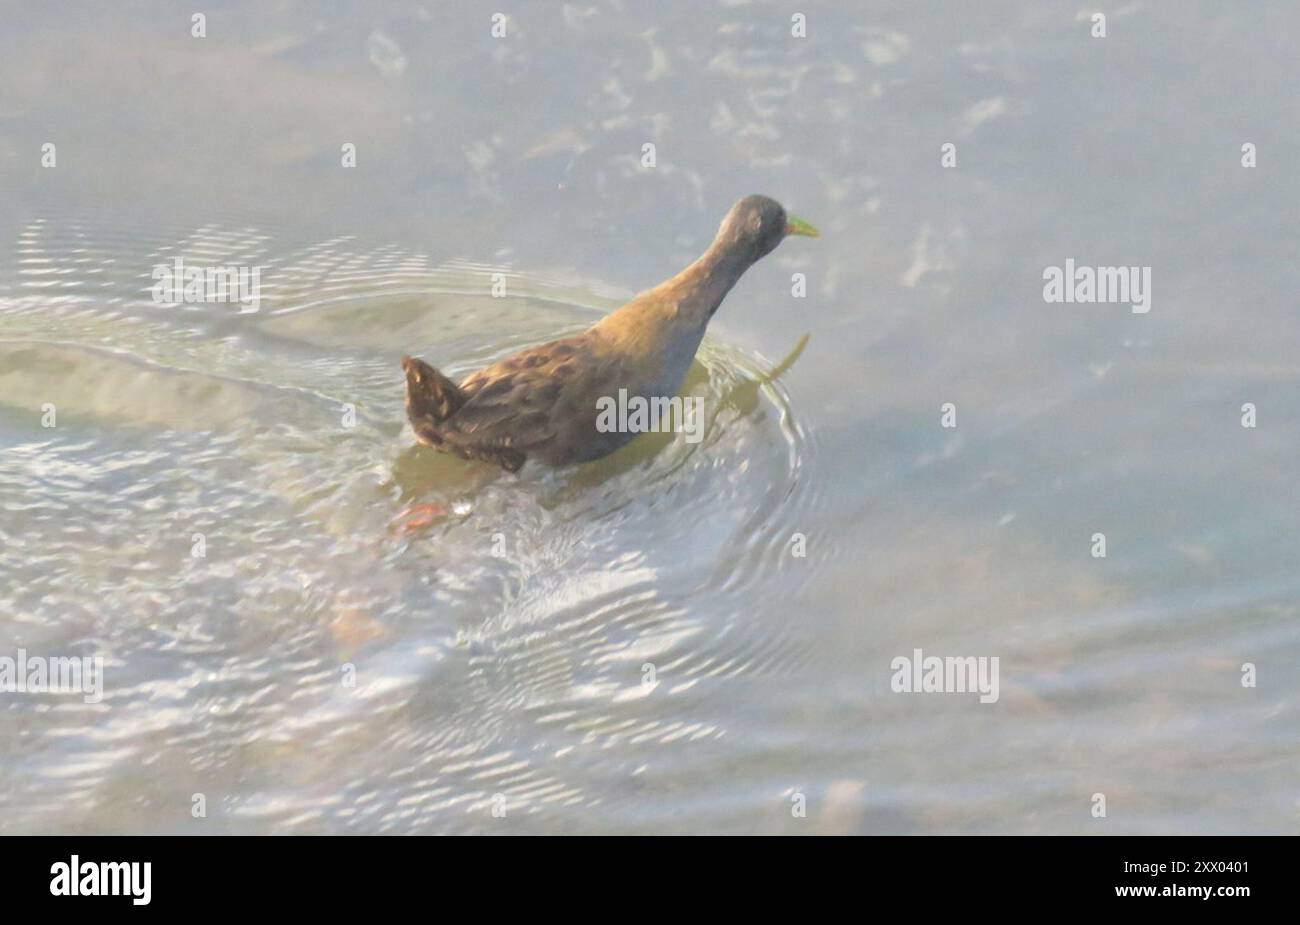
x,y
211,513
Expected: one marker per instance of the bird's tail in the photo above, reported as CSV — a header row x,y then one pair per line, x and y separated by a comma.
x,y
431,398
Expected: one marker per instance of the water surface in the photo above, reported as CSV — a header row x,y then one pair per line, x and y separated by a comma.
x,y
635,646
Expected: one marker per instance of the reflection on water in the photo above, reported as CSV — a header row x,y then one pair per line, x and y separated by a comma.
x,y
634,645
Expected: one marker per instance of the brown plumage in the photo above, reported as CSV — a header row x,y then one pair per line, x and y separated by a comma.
x,y
542,402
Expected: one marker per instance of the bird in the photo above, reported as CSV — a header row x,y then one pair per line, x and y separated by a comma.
x,y
542,402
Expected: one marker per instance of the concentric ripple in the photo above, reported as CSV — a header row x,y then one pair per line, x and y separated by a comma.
x,y
211,514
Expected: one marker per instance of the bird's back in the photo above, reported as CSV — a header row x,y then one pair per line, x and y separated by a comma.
x,y
539,403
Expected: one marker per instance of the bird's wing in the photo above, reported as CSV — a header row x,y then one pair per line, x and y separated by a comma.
x,y
512,405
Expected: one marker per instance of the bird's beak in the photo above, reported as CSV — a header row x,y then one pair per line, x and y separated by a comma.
x,y
799,226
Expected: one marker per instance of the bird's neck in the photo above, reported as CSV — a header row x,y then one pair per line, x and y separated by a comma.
x,y
702,286
673,315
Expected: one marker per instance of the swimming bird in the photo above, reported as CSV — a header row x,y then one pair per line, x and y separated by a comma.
x,y
542,403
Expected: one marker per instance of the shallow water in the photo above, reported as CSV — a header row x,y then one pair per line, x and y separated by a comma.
x,y
633,645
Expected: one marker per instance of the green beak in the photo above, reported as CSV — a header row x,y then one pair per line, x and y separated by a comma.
x,y
799,226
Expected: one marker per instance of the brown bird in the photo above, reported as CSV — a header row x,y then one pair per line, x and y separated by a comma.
x,y
542,402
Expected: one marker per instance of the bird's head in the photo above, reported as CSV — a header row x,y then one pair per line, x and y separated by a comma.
x,y
757,224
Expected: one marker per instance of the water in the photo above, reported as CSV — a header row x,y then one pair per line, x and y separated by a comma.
x,y
633,646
